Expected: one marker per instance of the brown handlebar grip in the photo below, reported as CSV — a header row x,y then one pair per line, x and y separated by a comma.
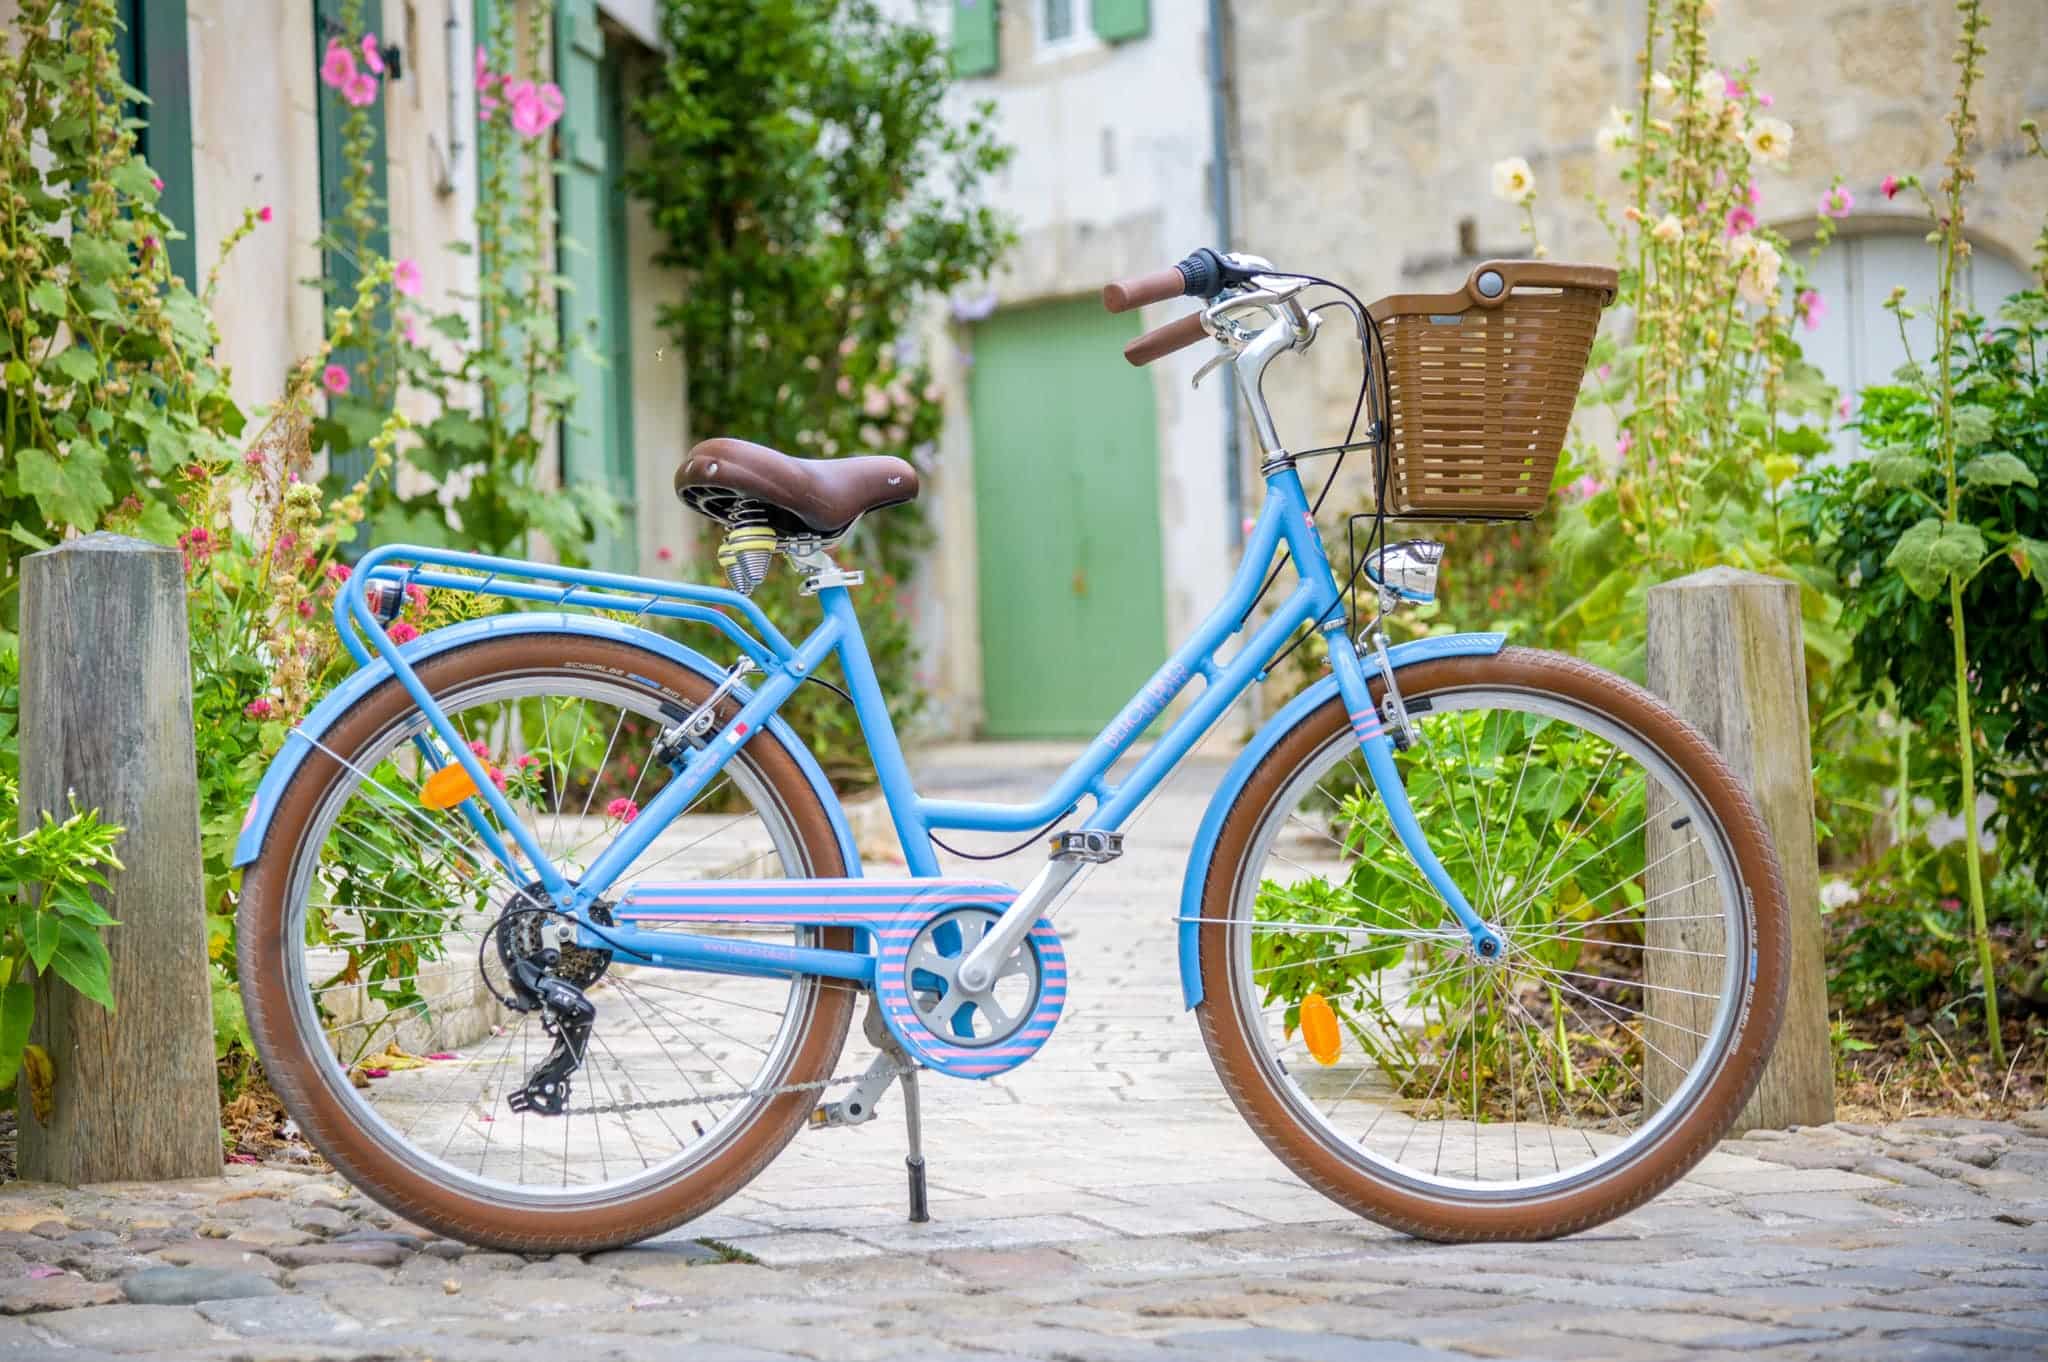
x,y
1164,340
1126,294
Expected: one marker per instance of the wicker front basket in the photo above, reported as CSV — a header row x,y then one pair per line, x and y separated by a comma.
x,y
1480,384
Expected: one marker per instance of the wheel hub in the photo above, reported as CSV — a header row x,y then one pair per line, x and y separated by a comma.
x,y
949,1009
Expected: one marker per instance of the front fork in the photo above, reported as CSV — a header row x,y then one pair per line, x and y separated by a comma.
x,y
1378,748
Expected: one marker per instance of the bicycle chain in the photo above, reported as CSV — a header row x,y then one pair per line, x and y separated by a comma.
x,y
703,1099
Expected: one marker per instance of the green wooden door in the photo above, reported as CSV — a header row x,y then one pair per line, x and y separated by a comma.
x,y
342,241
1066,492
597,438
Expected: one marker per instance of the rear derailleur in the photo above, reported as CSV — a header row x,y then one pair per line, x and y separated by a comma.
x,y
550,981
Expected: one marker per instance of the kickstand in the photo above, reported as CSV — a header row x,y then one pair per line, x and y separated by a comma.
x,y
913,1120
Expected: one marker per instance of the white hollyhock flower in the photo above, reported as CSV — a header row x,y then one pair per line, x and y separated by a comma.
x,y
1668,228
1838,894
1770,140
1617,132
1513,181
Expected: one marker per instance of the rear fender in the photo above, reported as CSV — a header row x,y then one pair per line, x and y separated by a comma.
x,y
301,743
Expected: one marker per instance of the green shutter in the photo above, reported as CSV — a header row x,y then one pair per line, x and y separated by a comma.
x,y
1119,21
976,37
339,265
151,47
596,448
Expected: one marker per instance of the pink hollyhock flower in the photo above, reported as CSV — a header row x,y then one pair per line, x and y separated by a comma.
x,y
1625,443
1588,487
410,329
1837,202
403,632
361,92
1846,407
259,708
1889,186
335,379
664,555
338,68
263,213
338,571
483,68
405,277
1740,220
534,107
372,58
156,182
1811,307
253,459
1751,195
625,810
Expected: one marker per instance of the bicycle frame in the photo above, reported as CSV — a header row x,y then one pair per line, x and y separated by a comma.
x,y
1285,520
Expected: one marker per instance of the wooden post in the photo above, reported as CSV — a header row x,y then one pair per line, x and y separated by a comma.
x,y
106,719
1726,651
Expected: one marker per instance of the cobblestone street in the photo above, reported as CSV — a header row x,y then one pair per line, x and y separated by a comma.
x,y
1103,1202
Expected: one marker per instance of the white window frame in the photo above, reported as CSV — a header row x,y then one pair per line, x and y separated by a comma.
x,y
1082,39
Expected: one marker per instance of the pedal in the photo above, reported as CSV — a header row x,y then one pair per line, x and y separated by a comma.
x,y
1088,845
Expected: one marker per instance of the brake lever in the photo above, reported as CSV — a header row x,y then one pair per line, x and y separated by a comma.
x,y
1221,357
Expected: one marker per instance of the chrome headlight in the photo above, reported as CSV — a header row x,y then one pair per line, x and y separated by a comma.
x,y
1408,569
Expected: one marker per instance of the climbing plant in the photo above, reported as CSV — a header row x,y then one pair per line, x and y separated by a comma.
x,y
807,177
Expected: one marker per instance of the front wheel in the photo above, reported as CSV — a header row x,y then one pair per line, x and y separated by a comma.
x,y
1591,1064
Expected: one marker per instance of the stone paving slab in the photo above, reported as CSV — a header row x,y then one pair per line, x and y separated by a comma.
x,y
1105,1202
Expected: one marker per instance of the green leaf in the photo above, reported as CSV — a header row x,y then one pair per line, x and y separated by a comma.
x,y
81,961
230,1022
39,931
68,491
1929,553
1973,427
1998,470
96,258
47,297
76,363
2032,559
1899,466
17,1010
134,178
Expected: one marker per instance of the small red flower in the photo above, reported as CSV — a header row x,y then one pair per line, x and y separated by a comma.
x,y
259,708
625,810
403,632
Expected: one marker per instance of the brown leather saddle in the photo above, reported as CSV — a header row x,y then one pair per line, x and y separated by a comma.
x,y
736,482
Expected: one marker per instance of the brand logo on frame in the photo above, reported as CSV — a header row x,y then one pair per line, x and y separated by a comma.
x,y
1146,704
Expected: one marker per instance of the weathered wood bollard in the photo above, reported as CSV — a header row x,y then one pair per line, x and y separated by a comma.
x,y
1727,652
106,718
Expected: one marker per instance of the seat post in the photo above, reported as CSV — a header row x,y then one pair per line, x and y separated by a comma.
x,y
812,558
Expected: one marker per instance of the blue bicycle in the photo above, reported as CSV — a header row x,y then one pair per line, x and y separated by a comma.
x,y
552,931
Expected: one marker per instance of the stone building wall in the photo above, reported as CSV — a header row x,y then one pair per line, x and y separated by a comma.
x,y
1366,128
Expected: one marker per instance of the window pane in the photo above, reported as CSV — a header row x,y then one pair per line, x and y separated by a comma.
x,y
1059,20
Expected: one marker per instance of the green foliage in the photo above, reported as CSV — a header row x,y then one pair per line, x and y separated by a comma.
x,y
49,920
108,393
1564,783
1876,519
804,175
1904,940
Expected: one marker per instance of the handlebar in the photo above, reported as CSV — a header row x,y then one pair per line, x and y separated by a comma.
x,y
1162,341
1202,275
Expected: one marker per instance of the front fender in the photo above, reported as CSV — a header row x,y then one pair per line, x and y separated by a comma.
x,y
1299,708
256,825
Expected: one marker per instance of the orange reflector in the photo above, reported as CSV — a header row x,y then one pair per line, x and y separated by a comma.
x,y
1319,1029
447,787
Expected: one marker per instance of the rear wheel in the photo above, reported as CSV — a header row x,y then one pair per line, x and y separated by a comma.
x,y
375,945
1563,1083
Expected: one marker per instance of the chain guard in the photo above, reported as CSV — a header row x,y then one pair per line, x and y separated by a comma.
x,y
891,915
